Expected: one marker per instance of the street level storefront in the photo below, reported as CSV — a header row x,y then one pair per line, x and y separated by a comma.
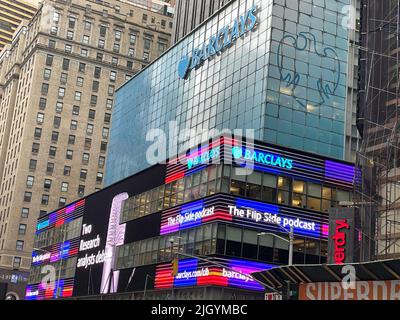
x,y
197,226
377,280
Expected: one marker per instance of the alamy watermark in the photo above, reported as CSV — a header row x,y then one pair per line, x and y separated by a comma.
x,y
176,141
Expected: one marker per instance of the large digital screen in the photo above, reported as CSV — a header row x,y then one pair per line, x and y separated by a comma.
x,y
225,273
62,288
261,157
245,212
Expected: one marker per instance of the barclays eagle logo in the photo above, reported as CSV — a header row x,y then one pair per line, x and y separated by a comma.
x,y
326,82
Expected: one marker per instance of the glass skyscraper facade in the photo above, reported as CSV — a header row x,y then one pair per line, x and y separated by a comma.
x,y
278,67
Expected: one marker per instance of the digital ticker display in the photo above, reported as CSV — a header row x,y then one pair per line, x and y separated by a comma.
x,y
225,273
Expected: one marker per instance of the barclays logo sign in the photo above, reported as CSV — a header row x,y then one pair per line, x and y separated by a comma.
x,y
225,38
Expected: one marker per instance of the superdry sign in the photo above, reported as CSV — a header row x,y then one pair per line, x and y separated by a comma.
x,y
343,238
339,239
225,38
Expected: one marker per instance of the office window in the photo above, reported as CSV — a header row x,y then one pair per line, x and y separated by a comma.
x,y
35,148
46,74
105,133
93,100
144,18
16,262
83,174
67,170
103,31
99,56
131,52
54,136
84,52
99,177
24,212
87,26
52,44
71,139
78,96
161,47
22,229
45,88
56,122
146,56
40,118
114,61
79,81
86,39
64,186
68,48
45,199
103,146
92,114
118,35
101,44
70,35
88,143
69,154
75,110
132,39
52,151
102,162
32,164
61,92
30,181
81,190
82,67
71,22
59,107
42,103
49,60
38,133
85,158
62,202
97,72
116,47
27,196
65,65
113,76
47,184
107,118
109,104
111,90
89,129
19,245
129,65
64,78
50,168
95,86
147,44
54,30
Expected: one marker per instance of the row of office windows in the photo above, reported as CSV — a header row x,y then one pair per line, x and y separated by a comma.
x,y
223,178
76,109
221,239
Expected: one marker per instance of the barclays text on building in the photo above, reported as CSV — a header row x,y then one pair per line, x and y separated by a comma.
x,y
281,73
119,239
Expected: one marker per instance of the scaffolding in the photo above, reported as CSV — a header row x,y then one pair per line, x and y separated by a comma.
x,y
377,187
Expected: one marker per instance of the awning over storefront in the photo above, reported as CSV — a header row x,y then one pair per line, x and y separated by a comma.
x,y
366,271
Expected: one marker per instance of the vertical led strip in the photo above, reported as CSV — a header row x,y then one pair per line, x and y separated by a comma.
x,y
115,237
